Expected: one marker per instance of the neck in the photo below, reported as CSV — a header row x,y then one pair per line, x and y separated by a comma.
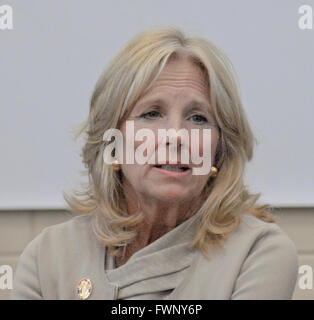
x,y
159,218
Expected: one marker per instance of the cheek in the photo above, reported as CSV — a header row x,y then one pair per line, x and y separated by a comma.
x,y
201,148
214,141
144,144
214,144
131,174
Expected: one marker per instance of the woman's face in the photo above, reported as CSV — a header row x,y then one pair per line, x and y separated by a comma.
x,y
180,83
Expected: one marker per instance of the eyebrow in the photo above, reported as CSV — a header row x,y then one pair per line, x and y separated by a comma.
x,y
192,105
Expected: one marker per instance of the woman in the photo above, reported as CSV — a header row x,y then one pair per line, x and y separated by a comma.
x,y
152,230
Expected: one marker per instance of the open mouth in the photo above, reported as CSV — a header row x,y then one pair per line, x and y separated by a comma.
x,y
175,168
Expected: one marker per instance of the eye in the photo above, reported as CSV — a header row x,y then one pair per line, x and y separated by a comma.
x,y
150,115
199,119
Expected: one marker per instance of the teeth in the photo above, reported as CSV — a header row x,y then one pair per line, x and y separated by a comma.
x,y
172,168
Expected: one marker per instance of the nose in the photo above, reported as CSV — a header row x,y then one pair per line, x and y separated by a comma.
x,y
173,136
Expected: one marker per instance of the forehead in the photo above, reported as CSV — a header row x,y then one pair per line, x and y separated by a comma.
x,y
181,73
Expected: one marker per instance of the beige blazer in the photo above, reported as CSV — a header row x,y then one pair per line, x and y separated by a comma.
x,y
258,261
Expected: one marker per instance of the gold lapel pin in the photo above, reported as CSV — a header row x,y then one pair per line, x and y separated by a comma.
x,y
84,288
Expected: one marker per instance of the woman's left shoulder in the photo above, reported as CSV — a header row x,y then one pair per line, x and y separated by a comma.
x,y
257,261
265,232
271,259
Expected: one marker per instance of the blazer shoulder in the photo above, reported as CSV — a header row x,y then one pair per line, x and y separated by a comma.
x,y
61,240
253,222
75,226
265,230
257,261
272,259
59,252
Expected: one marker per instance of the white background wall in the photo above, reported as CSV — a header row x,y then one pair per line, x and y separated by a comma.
x,y
52,58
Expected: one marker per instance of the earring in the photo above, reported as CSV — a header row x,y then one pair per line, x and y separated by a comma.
x,y
214,172
115,166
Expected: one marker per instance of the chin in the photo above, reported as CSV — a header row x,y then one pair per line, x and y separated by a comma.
x,y
172,195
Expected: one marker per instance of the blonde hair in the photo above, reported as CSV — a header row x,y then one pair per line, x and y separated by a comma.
x,y
117,90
